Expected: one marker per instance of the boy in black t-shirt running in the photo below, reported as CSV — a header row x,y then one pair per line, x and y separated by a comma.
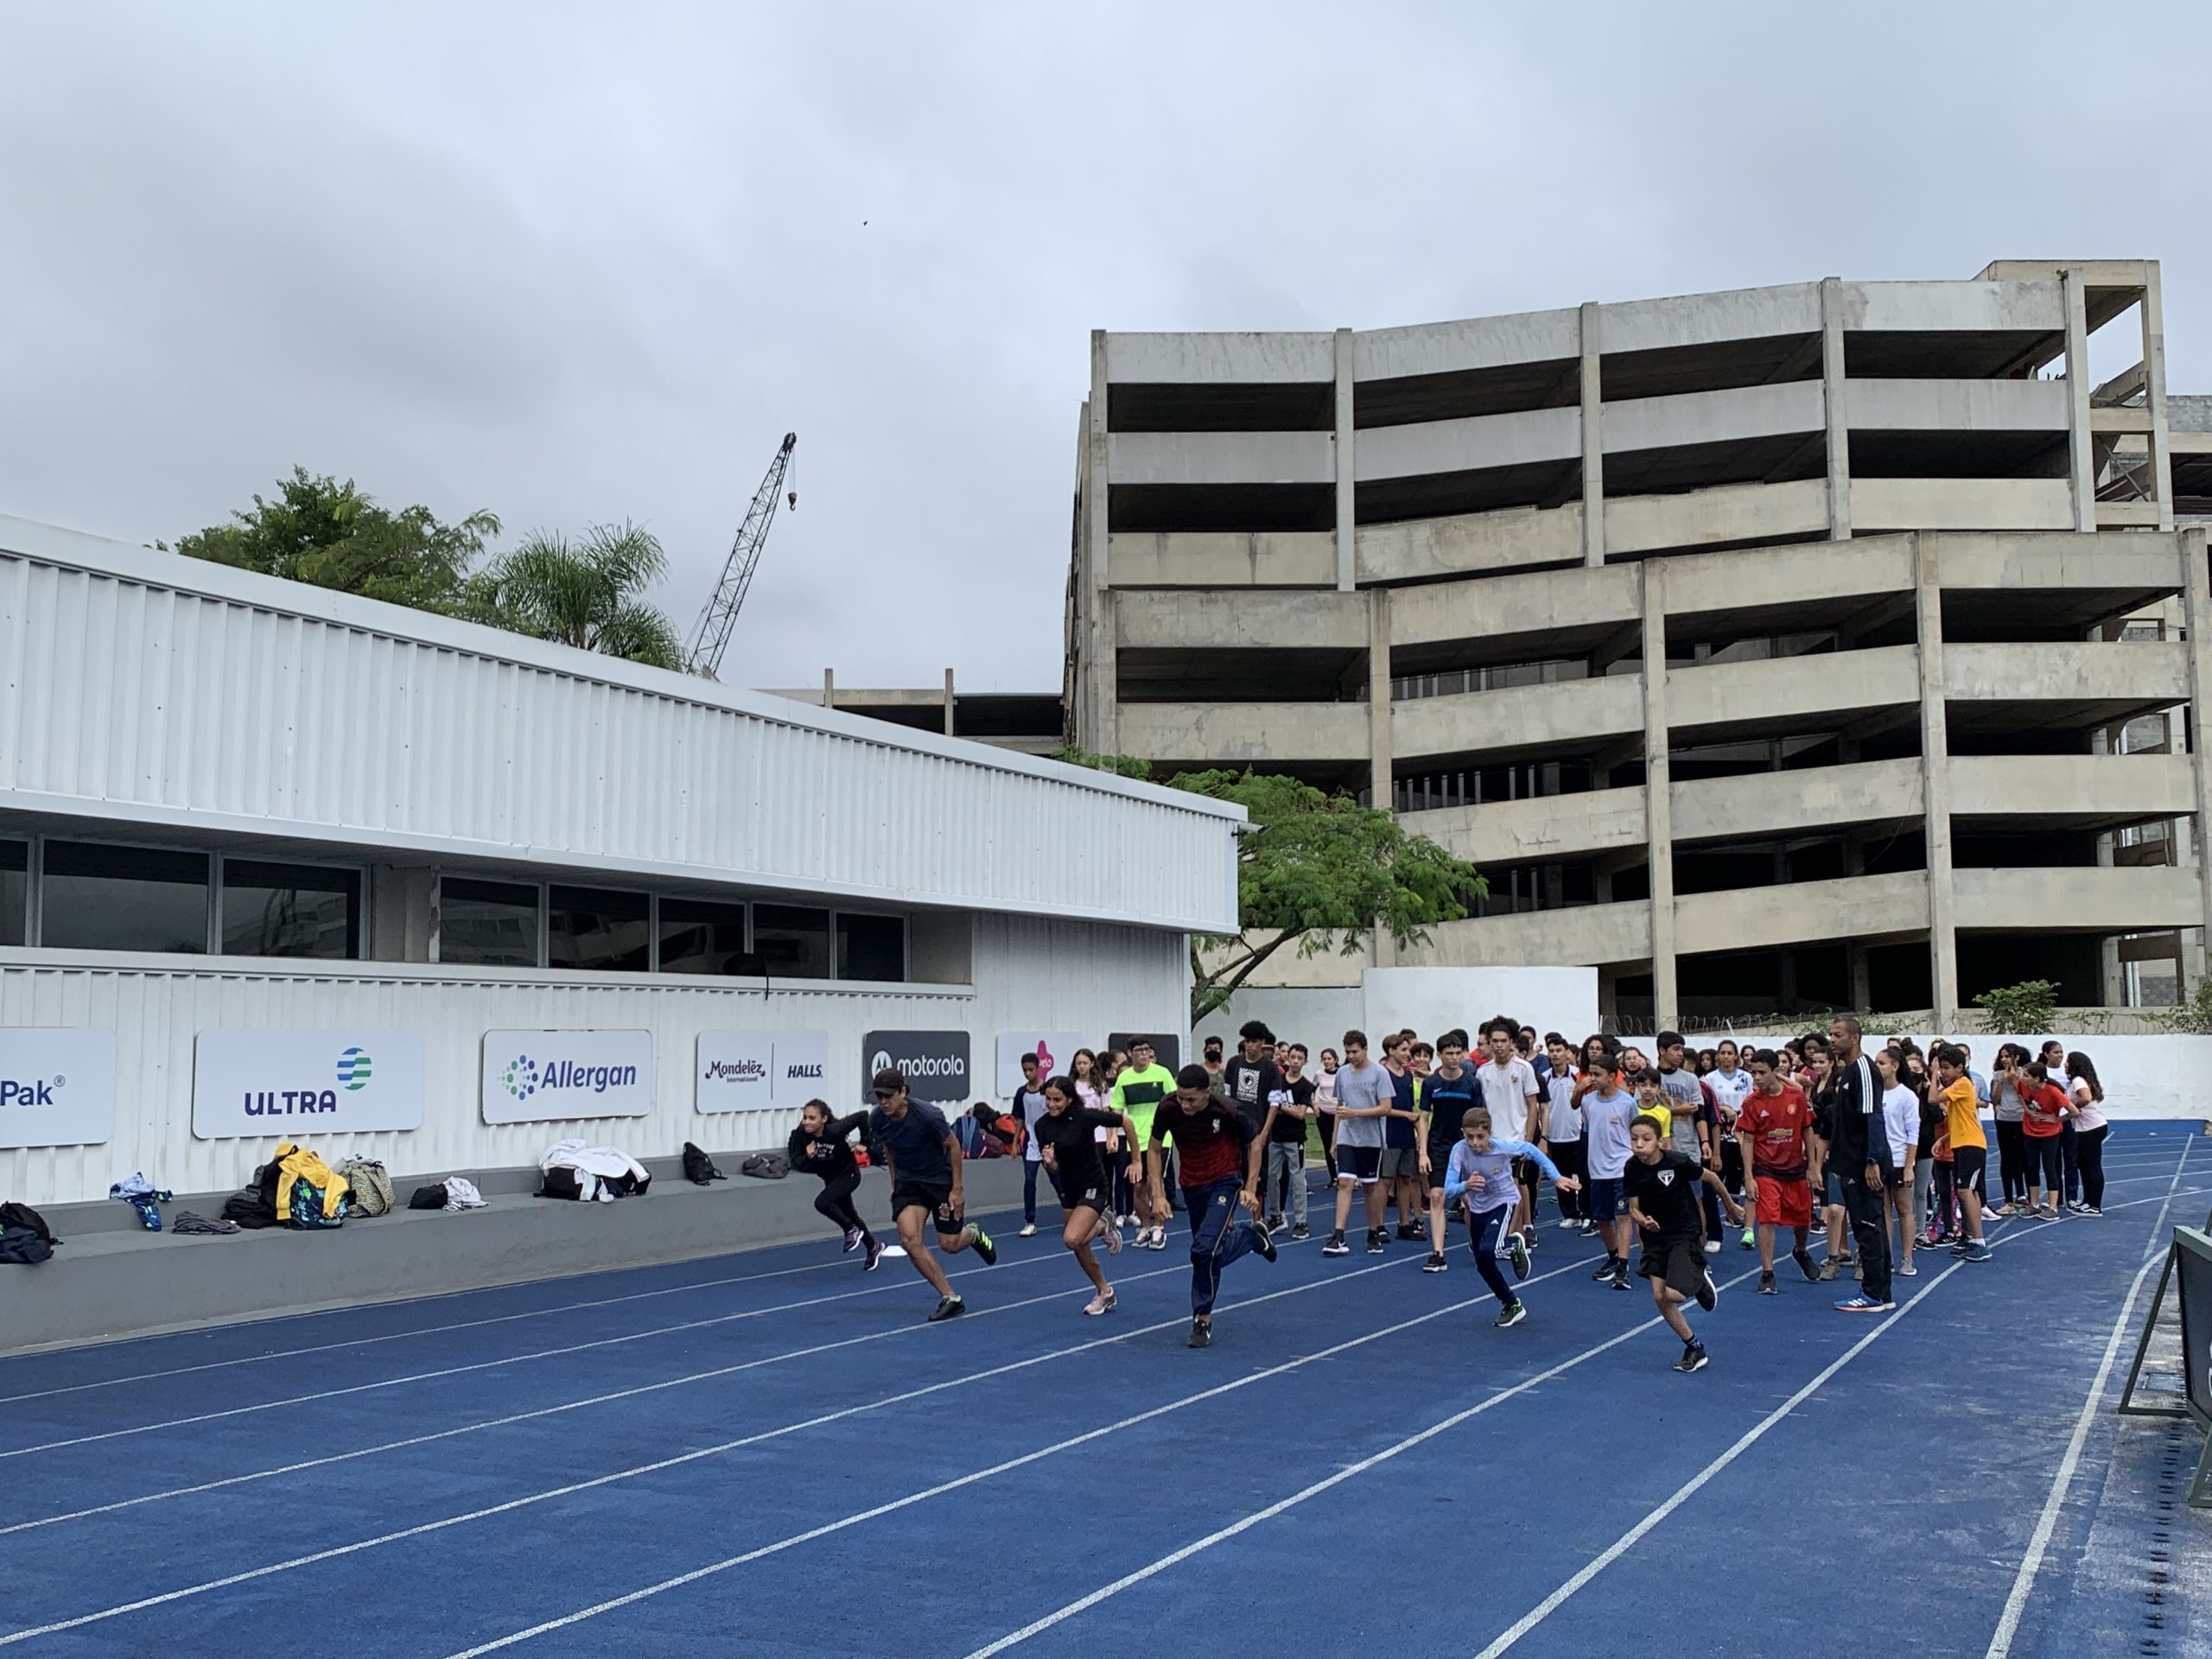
x,y
1663,1203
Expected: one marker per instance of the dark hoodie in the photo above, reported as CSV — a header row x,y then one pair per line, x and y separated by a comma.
x,y
828,1155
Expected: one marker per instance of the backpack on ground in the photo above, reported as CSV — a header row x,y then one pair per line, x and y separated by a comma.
x,y
25,1239
372,1184
766,1167
432,1196
698,1168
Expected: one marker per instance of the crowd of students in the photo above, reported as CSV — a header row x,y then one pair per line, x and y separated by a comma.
x,y
1881,1148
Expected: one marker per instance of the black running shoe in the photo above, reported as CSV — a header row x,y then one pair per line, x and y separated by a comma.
x,y
1620,1277
1262,1241
1299,1234
1603,1273
1693,1358
1766,1284
1517,1251
984,1248
1201,1334
1512,1313
1436,1262
875,1254
1708,1292
1806,1265
1408,1230
1336,1246
1375,1236
952,1307
852,1239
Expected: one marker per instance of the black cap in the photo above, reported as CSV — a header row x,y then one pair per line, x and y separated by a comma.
x,y
889,1081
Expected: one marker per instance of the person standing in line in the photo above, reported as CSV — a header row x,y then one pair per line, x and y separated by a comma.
x,y
1510,1095
1094,1078
1663,1187
1216,1079
1252,1079
923,1159
1027,1106
2090,1127
1858,1155
2008,1104
1562,1136
2052,1053
1449,1091
1970,1147
1138,1090
1773,1130
1901,1124
1479,1176
1214,1149
1400,1132
1727,1086
1324,1108
1608,1111
822,1145
2044,1109
1285,1142
1068,1135
1365,1092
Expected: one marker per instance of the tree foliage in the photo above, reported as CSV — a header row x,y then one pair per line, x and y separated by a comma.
x,y
1315,870
583,593
2028,1007
332,535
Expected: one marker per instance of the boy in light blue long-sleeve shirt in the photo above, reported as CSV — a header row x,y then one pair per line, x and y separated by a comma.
x,y
1480,1176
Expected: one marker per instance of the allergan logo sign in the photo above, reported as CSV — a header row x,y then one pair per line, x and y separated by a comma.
x,y
520,1076
353,1069
525,1076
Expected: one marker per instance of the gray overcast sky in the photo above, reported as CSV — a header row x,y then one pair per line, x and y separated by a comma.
x,y
582,262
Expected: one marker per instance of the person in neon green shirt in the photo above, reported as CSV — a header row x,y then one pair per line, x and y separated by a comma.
x,y
1138,1091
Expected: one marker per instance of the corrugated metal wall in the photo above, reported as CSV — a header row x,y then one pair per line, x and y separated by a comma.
x,y
1030,973
368,726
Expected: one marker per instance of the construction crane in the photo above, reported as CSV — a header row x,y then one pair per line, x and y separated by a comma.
x,y
711,636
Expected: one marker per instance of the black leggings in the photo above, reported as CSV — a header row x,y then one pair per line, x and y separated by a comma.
x,y
834,1201
2012,1161
1568,1155
2089,1158
2043,1165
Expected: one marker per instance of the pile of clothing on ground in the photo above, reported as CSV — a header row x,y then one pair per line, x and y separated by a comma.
x,y
25,1239
573,1170
295,1188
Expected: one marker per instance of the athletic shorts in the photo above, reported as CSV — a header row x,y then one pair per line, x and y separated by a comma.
x,y
1680,1262
1360,1164
1092,1196
1785,1203
1893,1176
1399,1162
1608,1198
936,1197
1831,1189
1524,1172
1440,1163
1967,1164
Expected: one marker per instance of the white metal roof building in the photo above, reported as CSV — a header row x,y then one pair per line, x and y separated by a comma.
x,y
228,802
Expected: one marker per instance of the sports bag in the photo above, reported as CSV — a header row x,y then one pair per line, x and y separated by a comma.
x,y
372,1185
698,1168
766,1167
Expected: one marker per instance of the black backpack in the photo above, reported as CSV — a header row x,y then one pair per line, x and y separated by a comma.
x,y
25,1239
698,1168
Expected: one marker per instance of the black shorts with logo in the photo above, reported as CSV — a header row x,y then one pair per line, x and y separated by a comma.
x,y
936,1197
1680,1262
1091,1197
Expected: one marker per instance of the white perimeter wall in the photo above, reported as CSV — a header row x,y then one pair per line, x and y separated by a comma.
x,y
1430,999
2143,1076
1030,973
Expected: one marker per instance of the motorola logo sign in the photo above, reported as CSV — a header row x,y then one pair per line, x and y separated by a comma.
x,y
934,1062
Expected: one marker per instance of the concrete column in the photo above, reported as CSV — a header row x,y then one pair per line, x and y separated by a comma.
x,y
947,702
1347,515
1593,442
828,688
1935,787
2080,445
1658,810
1862,982
2196,603
1103,727
1378,697
2154,397
1839,433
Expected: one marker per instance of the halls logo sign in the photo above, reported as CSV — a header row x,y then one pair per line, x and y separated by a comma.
x,y
749,1070
934,1062
287,1082
539,1077
57,1086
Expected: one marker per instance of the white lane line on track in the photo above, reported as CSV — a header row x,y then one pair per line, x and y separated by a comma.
x,y
1628,1540
892,1283
340,1550
2023,1583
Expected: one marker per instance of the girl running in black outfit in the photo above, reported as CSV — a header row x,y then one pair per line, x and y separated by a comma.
x,y
821,1146
1067,1138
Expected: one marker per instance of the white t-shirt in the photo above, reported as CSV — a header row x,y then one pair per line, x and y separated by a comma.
x,y
1506,1091
1088,1093
1325,1092
1729,1090
2088,1111
1030,1103
1605,1119
1562,1117
1901,1117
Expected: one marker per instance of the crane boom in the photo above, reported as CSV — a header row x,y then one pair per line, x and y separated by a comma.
x,y
711,636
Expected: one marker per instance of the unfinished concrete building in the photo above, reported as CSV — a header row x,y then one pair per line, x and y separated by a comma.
x,y
1933,632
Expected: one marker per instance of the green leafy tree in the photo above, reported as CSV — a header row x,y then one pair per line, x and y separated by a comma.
x,y
1315,871
583,593
332,535
2028,1007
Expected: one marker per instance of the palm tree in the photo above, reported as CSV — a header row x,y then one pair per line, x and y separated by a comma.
x,y
582,592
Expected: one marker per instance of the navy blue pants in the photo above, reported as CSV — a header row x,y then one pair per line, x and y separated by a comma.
x,y
1029,1188
1485,1233
1219,1234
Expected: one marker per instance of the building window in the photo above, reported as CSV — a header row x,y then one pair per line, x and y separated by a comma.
x,y
488,924
871,947
100,898
792,942
608,933
15,892
700,937
290,910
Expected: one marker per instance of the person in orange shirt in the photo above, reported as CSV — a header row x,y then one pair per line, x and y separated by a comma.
x,y
1969,1145
2044,1109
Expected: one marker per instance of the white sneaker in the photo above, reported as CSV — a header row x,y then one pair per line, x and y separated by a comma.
x,y
1098,1305
1567,1222
1028,1230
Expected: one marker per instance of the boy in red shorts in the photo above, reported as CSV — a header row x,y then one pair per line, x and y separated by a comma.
x,y
1771,1130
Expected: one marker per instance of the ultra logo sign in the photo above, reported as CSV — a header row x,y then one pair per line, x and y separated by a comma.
x,y
279,1083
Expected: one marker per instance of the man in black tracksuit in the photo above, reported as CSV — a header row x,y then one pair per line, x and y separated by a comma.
x,y
1848,1105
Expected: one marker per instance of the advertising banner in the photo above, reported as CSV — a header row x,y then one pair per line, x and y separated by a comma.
x,y
751,1071
294,1084
544,1076
934,1062
57,1086
1053,1049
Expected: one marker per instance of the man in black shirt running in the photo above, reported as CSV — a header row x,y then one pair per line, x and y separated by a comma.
x,y
924,1182
1663,1203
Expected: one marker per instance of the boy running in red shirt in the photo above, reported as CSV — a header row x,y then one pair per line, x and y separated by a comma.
x,y
1772,1129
